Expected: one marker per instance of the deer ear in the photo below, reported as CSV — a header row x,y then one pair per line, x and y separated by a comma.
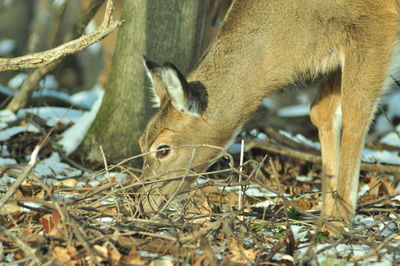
x,y
152,71
186,97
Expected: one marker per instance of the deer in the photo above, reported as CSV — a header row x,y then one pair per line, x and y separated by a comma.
x,y
263,45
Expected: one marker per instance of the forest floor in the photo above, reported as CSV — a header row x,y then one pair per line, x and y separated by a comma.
x,y
65,214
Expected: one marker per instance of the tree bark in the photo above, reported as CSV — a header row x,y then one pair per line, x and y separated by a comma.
x,y
164,31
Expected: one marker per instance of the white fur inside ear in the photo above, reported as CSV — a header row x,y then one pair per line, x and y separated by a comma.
x,y
154,99
174,87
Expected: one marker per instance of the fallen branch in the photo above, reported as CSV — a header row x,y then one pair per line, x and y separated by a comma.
x,y
22,176
44,58
32,81
269,146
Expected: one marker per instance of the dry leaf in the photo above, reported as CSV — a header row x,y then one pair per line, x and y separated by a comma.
x,y
304,204
199,261
10,208
133,259
66,256
70,182
240,254
52,224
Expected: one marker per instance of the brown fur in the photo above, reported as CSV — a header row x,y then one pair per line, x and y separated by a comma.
x,y
265,44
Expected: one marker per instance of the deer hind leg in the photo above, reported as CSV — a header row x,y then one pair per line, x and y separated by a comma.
x,y
326,116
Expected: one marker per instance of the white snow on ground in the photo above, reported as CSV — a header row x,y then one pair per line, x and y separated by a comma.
x,y
12,131
4,151
7,116
48,88
48,83
267,103
95,48
6,161
6,91
53,115
304,178
54,94
383,121
369,156
390,157
6,46
73,137
299,138
255,190
392,138
298,110
53,166
86,99
17,81
32,205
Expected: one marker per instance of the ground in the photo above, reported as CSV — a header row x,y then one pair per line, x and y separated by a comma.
x,y
64,213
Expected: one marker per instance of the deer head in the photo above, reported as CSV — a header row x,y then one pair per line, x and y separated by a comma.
x,y
179,137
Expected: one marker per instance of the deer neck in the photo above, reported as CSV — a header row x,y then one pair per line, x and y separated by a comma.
x,y
234,87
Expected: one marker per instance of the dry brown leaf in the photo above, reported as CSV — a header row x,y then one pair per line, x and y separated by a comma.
x,y
114,256
101,252
70,182
199,261
52,224
133,259
304,204
10,208
240,254
66,256
387,187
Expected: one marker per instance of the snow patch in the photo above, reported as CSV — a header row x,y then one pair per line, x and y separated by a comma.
x,y
7,116
392,138
53,115
86,99
7,46
74,136
17,81
12,131
53,166
298,110
299,138
304,178
33,205
383,121
7,161
389,157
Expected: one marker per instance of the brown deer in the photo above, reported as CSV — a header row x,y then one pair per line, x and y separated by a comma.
x,y
264,45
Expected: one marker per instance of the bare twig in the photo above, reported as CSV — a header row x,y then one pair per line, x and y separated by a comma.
x,y
266,145
22,176
240,179
48,60
25,247
44,58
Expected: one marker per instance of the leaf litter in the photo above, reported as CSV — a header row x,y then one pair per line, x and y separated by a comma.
x,y
65,215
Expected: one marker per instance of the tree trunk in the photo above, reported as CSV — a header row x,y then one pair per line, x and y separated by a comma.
x,y
164,31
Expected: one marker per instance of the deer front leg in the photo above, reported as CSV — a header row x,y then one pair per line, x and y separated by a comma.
x,y
326,116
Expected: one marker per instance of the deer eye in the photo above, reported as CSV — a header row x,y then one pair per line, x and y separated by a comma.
x,y
162,151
